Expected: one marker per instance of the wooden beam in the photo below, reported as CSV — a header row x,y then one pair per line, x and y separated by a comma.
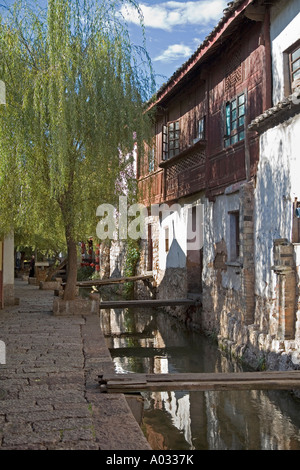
x,y
130,334
145,303
140,351
126,383
112,280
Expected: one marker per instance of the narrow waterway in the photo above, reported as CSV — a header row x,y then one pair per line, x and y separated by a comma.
x,y
153,342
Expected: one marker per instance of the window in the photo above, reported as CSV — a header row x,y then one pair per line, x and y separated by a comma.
x,y
235,120
151,158
201,129
294,62
167,239
234,220
170,140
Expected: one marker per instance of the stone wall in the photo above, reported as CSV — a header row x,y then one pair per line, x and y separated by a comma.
x,y
247,251
262,330
274,338
228,281
117,258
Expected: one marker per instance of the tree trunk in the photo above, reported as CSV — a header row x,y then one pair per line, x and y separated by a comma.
x,y
70,289
55,269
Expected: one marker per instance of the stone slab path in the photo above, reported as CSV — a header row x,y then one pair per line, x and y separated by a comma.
x,y
49,391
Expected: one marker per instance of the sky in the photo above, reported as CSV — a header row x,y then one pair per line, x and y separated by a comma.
x,y
174,30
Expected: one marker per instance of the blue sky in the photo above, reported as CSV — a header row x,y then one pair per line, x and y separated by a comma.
x,y
174,30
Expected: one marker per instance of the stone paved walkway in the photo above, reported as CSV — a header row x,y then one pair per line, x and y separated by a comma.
x,y
50,396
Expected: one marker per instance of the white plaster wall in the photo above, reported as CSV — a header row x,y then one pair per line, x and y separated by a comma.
x,y
216,230
285,31
276,187
177,222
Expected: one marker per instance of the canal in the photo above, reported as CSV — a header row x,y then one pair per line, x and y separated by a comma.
x,y
153,342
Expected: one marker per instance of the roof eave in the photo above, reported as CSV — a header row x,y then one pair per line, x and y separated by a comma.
x,y
231,15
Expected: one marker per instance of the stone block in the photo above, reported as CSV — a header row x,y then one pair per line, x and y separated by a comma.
x,y
50,285
78,306
8,294
295,358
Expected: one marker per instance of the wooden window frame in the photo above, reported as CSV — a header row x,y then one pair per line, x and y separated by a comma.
x,y
289,83
201,128
151,159
235,116
292,62
171,139
165,142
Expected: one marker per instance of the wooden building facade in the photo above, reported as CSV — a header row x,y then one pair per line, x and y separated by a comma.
x,y
207,150
203,152
201,138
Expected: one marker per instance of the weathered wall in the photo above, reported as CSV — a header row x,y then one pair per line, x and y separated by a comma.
x,y
228,283
247,302
284,31
117,258
276,189
277,316
170,227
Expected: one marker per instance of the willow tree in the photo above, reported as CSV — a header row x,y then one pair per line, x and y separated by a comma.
x,y
75,94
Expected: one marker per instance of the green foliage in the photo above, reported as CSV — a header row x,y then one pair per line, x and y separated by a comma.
x,y
261,363
75,94
132,258
85,273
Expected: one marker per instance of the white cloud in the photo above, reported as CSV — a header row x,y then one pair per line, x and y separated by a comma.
x,y
174,52
170,14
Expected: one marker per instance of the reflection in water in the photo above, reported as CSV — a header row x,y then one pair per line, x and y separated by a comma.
x,y
154,342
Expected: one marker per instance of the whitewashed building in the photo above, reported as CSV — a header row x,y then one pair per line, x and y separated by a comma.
x,y
277,195
227,139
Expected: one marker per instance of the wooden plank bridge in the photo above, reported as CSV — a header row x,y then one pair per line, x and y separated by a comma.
x,y
112,280
131,303
129,383
145,303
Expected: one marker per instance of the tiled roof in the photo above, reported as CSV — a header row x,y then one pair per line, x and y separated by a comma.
x,y
281,110
231,7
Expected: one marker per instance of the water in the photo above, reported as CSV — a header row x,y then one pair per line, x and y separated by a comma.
x,y
154,342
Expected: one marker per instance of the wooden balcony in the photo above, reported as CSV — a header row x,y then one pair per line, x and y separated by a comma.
x,y
185,173
226,168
